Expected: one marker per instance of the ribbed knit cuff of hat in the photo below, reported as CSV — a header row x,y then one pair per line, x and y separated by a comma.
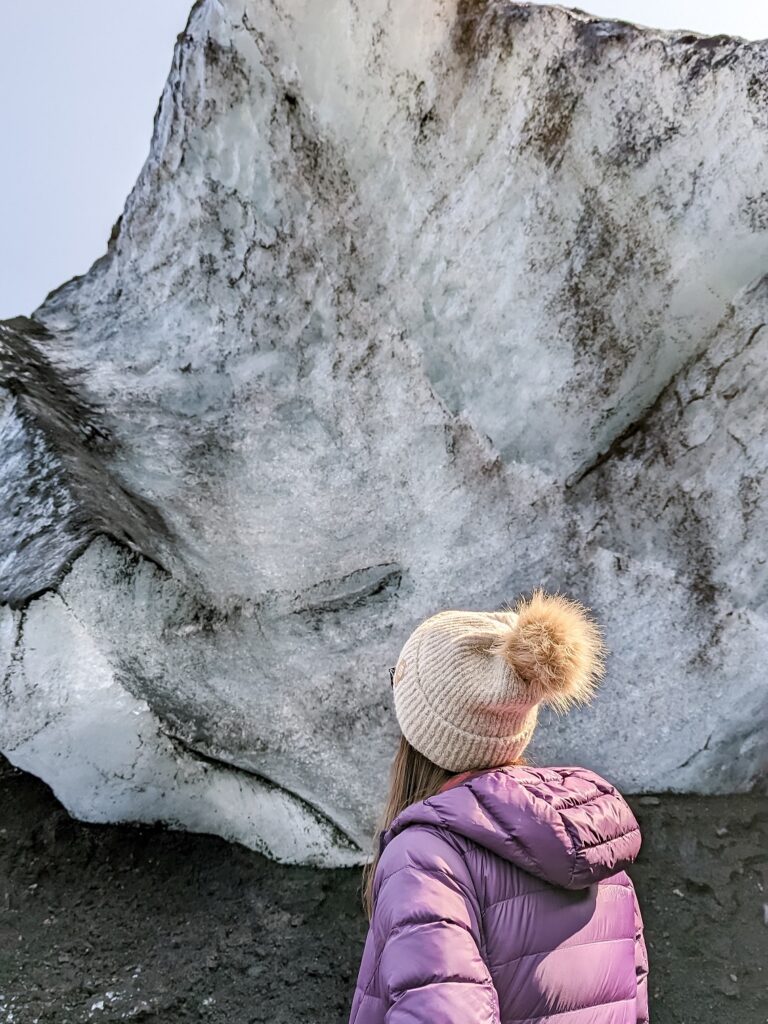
x,y
450,746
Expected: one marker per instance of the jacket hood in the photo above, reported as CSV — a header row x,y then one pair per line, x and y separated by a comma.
x,y
567,826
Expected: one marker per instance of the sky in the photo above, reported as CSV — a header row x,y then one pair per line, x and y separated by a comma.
x,y
80,83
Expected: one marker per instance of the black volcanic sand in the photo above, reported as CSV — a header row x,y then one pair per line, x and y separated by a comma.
x,y
106,923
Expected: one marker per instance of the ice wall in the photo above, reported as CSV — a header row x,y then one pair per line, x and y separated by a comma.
x,y
412,306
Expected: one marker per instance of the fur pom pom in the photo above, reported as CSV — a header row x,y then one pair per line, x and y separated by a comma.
x,y
555,649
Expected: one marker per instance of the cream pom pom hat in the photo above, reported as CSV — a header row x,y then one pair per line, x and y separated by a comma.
x,y
468,685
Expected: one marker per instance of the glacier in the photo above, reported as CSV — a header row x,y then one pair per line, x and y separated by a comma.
x,y
411,307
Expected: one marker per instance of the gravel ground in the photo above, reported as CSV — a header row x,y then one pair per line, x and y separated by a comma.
x,y
105,923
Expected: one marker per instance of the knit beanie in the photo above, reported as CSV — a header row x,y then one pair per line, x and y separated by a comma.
x,y
468,685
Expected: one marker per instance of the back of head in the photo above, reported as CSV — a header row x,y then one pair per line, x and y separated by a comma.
x,y
468,686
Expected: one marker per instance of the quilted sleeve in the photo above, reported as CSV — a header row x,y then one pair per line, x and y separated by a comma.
x,y
427,919
641,967
358,1013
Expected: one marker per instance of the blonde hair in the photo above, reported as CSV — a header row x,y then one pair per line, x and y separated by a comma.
x,y
412,777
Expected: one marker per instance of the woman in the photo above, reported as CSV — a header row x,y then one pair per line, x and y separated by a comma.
x,y
497,894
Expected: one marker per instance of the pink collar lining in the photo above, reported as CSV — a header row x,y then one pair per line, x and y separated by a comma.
x,y
458,779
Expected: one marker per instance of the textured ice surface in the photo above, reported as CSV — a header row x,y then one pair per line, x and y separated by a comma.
x,y
411,307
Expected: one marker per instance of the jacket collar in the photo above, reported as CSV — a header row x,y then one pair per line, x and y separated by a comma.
x,y
566,825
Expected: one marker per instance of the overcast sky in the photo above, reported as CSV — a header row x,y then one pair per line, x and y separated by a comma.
x,y
80,83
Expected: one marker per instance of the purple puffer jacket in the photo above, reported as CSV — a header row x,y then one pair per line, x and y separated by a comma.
x,y
502,900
